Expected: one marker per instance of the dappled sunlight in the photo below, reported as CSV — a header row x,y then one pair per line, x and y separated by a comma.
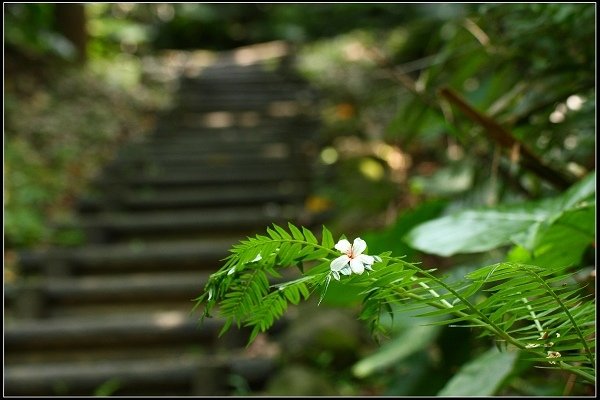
x,y
170,319
283,109
223,119
371,169
262,52
246,119
218,119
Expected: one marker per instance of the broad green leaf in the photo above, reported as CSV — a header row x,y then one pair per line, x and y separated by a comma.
x,y
484,229
470,231
574,230
390,238
579,192
482,376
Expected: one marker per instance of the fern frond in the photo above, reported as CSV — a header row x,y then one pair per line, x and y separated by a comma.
x,y
241,286
530,308
547,316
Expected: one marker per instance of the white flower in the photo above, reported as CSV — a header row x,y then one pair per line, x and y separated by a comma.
x,y
352,260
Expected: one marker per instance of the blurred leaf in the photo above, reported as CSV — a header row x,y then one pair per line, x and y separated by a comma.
x,y
455,178
413,339
574,231
482,376
409,374
471,231
390,239
485,229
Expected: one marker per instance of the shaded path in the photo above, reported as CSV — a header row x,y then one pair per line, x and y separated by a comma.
x,y
114,314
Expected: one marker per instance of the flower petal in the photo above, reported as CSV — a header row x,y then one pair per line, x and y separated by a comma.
x,y
343,245
357,266
339,263
346,270
365,259
336,275
358,246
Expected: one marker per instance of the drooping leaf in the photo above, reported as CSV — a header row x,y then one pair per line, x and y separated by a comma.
x,y
484,229
482,376
410,341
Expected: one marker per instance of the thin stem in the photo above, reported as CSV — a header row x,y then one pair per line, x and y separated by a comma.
x,y
532,313
433,292
466,302
577,371
483,321
589,354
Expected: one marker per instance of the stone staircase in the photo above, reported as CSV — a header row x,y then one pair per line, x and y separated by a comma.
x,y
113,316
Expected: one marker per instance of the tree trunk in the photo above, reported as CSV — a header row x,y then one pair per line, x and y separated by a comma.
x,y
71,23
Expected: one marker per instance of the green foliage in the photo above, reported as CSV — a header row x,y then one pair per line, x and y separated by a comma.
x,y
525,308
30,28
51,151
486,55
242,283
536,226
392,237
482,376
528,69
108,388
415,338
220,26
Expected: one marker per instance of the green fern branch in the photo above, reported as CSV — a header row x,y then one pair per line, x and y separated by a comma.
x,y
521,307
566,310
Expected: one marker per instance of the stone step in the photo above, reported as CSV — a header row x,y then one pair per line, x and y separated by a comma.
x,y
199,134
177,198
136,288
127,257
115,223
51,297
223,119
186,375
207,148
203,102
215,177
203,92
186,170
259,80
228,160
109,331
43,297
197,163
